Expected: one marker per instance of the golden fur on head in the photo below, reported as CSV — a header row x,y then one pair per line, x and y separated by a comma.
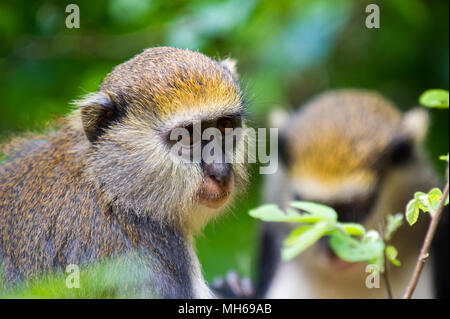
x,y
174,81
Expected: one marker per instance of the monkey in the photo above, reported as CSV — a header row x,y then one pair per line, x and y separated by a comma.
x,y
104,184
353,150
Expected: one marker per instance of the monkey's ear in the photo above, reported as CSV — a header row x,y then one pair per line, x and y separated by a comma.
x,y
413,132
230,65
97,111
415,125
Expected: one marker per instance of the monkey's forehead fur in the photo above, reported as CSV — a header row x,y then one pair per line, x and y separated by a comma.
x,y
338,133
171,81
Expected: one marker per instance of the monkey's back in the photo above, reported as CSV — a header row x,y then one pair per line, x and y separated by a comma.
x,y
40,209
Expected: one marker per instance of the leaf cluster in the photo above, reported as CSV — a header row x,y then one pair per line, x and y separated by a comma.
x,y
350,241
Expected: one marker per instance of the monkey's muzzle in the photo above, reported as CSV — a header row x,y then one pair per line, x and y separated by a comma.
x,y
218,182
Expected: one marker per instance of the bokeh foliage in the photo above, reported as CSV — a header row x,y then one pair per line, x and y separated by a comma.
x,y
287,51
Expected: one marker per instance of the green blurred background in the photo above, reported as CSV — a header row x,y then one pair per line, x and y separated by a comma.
x,y
287,51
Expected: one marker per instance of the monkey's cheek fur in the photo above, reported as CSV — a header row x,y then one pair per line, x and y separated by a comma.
x,y
212,194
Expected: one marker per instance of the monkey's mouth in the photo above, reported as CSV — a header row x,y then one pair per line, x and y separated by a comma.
x,y
214,195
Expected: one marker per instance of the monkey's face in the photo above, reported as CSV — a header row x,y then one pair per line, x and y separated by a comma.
x,y
213,146
352,151
150,127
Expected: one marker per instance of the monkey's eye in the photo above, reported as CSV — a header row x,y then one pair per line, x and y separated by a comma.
x,y
401,152
224,123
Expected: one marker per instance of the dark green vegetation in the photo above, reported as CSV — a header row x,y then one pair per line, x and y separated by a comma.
x,y
286,50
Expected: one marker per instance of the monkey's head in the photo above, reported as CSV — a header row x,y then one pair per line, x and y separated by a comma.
x,y
353,150
128,125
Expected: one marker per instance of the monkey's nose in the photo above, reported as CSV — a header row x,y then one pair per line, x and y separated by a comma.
x,y
219,171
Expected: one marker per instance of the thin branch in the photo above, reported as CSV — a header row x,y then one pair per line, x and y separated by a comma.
x,y
385,274
423,256
387,279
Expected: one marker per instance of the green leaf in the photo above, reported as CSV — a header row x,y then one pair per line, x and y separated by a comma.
x,y
436,98
352,229
291,239
314,213
391,254
271,213
423,202
372,236
417,195
393,223
444,158
352,250
412,211
421,196
305,240
306,217
434,198
319,211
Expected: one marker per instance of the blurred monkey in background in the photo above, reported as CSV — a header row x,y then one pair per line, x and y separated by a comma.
x,y
356,152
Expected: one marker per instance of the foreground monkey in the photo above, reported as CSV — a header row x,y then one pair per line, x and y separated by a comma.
x,y
352,150
105,184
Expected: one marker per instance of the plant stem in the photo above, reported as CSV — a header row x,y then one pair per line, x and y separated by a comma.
x,y
387,279
423,256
